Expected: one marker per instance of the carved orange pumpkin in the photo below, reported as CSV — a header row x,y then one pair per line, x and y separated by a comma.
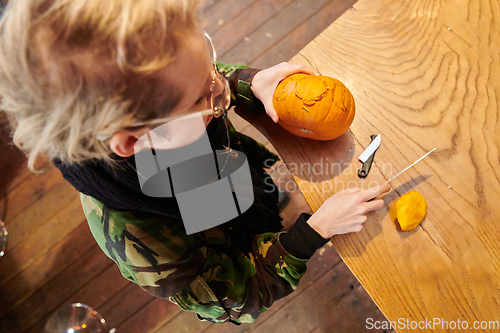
x,y
315,107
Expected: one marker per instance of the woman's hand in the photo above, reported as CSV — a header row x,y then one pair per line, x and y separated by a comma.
x,y
346,210
265,82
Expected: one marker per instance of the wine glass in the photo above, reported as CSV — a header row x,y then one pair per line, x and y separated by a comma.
x,y
3,238
77,318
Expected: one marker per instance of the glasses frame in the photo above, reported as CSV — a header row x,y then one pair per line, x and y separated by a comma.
x,y
215,110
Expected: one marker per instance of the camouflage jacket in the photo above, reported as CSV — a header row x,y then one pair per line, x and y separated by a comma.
x,y
204,272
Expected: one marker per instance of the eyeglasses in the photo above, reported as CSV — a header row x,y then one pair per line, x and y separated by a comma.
x,y
218,104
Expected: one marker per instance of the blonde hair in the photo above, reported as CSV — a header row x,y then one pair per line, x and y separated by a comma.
x,y
71,69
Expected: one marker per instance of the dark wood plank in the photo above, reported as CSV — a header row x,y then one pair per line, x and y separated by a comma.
x,y
151,317
351,313
100,289
10,167
207,5
270,33
355,312
21,176
42,257
41,241
32,189
95,293
238,27
13,164
46,268
54,293
124,304
187,322
216,16
38,214
289,45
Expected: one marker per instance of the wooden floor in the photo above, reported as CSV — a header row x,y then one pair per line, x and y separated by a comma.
x,y
52,259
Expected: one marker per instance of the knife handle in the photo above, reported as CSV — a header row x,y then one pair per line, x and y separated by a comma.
x,y
365,168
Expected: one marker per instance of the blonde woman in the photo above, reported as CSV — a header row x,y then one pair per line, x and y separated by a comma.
x,y
85,81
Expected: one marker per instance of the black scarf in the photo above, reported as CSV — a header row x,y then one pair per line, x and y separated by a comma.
x,y
118,188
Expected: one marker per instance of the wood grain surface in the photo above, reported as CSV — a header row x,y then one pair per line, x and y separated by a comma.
x,y
52,259
424,74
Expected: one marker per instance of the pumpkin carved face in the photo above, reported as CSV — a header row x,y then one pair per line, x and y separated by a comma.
x,y
315,107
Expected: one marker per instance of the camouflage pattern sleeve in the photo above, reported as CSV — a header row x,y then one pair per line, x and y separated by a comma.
x,y
202,272
240,78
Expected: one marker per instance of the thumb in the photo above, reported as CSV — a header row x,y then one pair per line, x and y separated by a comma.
x,y
271,112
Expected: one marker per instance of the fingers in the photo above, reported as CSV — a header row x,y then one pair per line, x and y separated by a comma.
x,y
285,69
357,225
384,188
271,112
352,190
305,69
265,82
373,205
352,227
289,69
375,191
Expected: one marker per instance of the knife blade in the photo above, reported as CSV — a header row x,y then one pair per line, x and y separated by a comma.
x,y
409,166
372,147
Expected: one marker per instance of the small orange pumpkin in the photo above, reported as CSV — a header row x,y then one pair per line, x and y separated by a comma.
x,y
314,106
411,210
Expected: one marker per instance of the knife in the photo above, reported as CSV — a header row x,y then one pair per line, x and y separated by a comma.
x,y
367,156
409,166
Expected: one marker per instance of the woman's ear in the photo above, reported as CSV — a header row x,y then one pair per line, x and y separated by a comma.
x,y
125,143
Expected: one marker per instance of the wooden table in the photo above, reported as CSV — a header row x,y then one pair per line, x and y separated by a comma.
x,y
424,74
